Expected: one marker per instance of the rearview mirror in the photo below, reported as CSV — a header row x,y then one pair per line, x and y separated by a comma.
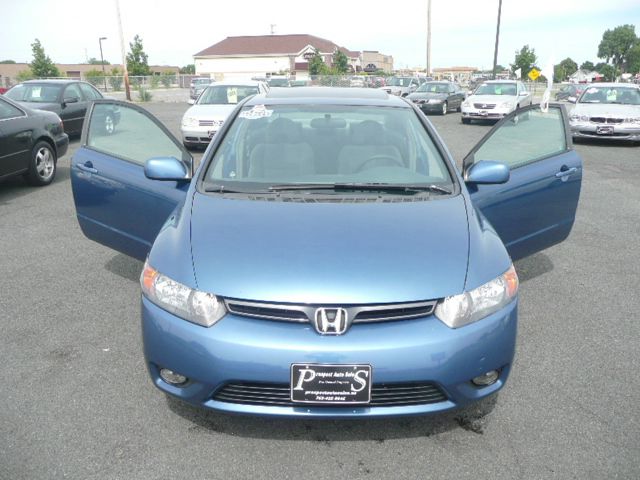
x,y
487,172
166,168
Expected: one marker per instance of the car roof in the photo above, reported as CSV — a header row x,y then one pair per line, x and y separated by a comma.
x,y
328,96
62,81
247,83
500,81
612,84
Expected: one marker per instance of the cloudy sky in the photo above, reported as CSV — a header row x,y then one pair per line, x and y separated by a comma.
x,y
463,31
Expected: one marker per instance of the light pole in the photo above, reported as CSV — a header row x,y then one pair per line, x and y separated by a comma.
x,y
104,75
495,52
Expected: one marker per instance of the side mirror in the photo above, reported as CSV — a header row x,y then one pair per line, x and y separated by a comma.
x,y
69,100
191,101
487,172
522,94
166,168
572,99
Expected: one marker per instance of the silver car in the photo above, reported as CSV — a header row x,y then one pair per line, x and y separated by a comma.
x,y
607,111
203,120
495,99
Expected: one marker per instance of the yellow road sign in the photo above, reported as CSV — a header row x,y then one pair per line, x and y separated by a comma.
x,y
533,74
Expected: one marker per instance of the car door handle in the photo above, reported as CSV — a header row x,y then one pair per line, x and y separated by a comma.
x,y
565,172
86,167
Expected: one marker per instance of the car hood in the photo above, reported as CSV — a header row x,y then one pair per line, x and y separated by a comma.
x,y
606,110
493,99
209,111
329,252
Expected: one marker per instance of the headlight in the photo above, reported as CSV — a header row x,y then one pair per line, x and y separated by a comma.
x,y
632,120
506,105
578,118
435,100
189,122
418,100
466,104
468,307
192,305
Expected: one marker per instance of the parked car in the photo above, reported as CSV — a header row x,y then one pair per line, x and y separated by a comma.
x,y
608,111
401,86
327,259
3,90
495,99
571,92
31,141
203,120
438,97
68,99
278,82
197,86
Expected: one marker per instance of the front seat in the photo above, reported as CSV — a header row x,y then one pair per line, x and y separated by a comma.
x,y
367,141
283,155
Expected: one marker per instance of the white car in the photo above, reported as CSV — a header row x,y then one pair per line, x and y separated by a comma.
x,y
203,120
495,99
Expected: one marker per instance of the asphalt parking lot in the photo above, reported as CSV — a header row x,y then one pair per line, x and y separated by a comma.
x,y
77,401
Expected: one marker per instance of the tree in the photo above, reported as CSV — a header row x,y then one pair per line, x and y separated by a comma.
x,y
115,80
188,69
7,61
525,60
95,61
633,59
616,45
588,66
564,69
94,77
340,62
317,65
42,66
137,58
606,70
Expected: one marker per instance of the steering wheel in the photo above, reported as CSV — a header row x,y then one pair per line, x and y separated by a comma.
x,y
391,160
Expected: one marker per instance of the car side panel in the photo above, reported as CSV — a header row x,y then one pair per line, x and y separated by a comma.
x,y
16,140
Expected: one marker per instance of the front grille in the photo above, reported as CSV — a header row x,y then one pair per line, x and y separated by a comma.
x,y
382,395
485,106
605,120
306,313
210,123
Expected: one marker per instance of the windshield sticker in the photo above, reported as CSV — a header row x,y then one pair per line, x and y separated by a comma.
x,y
232,95
259,111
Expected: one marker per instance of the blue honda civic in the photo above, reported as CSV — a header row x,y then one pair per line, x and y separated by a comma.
x,y
327,258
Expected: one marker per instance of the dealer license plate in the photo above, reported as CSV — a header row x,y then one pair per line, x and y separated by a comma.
x,y
335,384
607,130
483,113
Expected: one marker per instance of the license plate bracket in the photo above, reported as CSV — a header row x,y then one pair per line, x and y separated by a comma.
x,y
330,383
605,130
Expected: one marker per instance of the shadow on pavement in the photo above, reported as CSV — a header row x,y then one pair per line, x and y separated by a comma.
x,y
125,267
533,266
318,430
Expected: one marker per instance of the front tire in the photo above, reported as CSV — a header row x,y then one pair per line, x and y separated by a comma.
x,y
42,168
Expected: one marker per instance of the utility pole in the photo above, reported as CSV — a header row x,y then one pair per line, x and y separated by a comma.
x,y
428,37
104,75
495,53
273,28
124,56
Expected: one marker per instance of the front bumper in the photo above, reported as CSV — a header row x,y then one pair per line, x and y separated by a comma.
x,y
198,135
486,114
606,131
430,107
254,351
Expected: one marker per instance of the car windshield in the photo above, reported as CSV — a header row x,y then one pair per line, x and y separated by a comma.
x,y
201,81
497,89
36,93
611,94
434,88
325,145
278,82
399,81
226,94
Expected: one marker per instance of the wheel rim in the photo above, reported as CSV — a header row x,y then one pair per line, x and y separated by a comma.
x,y
444,108
44,163
108,124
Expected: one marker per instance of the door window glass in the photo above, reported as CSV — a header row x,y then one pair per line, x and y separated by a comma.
x,y
90,93
9,111
72,91
127,133
526,137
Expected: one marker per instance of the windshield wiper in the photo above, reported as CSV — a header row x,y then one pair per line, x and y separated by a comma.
x,y
378,187
214,188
